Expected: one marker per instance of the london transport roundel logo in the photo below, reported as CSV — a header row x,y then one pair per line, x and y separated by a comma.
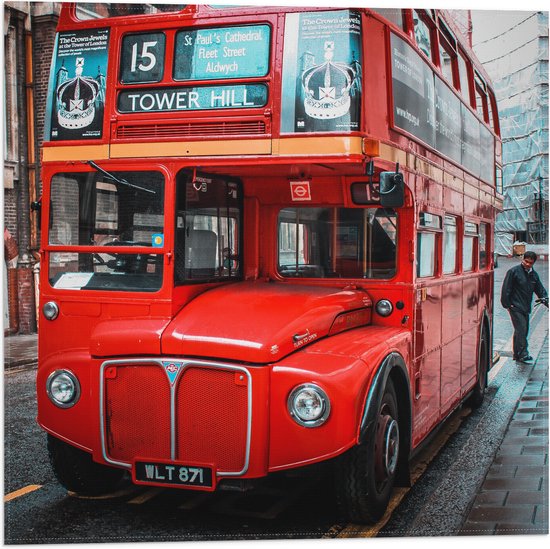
x,y
300,191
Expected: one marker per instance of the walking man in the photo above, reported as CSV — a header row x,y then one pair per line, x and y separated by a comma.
x,y
518,287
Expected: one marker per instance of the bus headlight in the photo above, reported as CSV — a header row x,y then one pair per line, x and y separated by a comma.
x,y
50,310
63,388
308,405
384,307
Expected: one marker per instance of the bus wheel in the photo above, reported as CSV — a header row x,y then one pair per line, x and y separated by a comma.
x,y
365,475
77,472
483,361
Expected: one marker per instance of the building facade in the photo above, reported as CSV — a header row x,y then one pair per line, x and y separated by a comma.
x,y
29,33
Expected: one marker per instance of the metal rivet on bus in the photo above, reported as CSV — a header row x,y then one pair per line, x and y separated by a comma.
x,y
241,378
50,310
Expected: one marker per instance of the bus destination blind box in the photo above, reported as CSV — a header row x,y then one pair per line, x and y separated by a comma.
x,y
392,189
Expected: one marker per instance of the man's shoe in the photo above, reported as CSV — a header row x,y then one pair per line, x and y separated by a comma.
x,y
525,359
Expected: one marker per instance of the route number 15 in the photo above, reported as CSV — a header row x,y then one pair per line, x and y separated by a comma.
x,y
142,58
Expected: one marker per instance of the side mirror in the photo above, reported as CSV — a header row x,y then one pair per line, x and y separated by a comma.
x,y
392,189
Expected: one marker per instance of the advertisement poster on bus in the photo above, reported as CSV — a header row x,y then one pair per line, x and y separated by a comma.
x,y
425,106
77,85
322,72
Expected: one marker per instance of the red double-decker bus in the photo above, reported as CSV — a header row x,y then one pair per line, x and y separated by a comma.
x,y
266,243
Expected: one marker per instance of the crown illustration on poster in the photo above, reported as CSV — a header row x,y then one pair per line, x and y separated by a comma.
x,y
327,87
76,99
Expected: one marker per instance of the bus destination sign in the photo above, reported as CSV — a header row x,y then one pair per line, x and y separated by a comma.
x,y
218,53
187,98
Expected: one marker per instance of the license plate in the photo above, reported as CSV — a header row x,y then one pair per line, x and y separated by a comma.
x,y
173,474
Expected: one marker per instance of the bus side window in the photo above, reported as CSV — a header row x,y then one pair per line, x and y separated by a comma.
x,y
449,245
425,253
468,246
422,34
464,77
483,240
426,244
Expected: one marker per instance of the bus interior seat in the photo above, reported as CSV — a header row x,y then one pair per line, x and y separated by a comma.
x,y
201,250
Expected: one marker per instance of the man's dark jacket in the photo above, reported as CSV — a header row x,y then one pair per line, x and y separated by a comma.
x,y
518,287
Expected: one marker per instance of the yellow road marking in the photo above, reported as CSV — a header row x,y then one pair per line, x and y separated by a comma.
x,y
21,492
146,496
421,464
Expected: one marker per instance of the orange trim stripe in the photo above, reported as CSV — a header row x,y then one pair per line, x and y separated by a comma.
x,y
75,152
192,148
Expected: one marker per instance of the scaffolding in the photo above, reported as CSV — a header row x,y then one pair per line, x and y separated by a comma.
x,y
517,61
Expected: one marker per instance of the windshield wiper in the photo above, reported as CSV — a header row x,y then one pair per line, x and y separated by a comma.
x,y
117,179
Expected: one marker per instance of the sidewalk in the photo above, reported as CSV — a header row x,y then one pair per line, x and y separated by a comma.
x,y
20,351
513,499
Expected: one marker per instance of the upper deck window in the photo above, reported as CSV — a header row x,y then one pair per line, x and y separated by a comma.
x,y
337,242
394,15
481,97
446,58
464,77
422,34
447,52
100,10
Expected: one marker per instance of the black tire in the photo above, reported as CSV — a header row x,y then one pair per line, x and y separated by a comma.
x,y
476,399
77,472
365,474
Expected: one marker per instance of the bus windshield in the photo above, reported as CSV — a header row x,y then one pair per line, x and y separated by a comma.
x,y
100,10
337,242
104,210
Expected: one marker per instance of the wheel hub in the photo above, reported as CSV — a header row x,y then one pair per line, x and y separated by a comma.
x,y
387,447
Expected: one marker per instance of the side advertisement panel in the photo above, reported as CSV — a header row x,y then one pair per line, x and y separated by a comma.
x,y
425,106
321,90
77,86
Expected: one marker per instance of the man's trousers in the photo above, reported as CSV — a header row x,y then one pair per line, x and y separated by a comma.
x,y
520,320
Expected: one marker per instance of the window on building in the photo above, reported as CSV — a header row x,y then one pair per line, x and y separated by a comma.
x,y
449,245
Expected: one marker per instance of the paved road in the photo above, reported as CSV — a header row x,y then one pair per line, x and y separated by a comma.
x,y
284,508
